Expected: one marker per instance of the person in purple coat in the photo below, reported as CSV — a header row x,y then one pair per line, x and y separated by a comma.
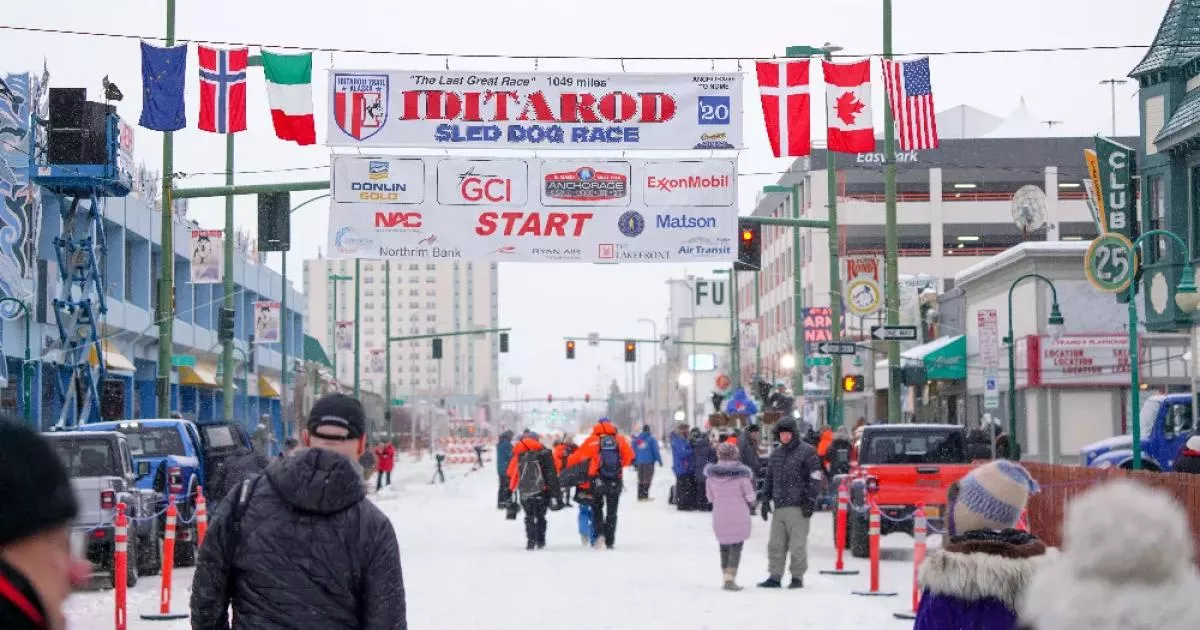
x,y
729,486
978,579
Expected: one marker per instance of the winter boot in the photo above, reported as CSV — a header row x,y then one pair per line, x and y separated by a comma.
x,y
771,582
730,585
585,539
796,583
530,545
599,544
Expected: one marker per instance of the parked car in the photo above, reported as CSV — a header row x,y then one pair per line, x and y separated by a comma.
x,y
103,474
899,466
1166,423
178,455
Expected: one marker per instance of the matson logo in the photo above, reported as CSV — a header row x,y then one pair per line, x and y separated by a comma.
x,y
693,182
398,220
683,222
517,223
476,187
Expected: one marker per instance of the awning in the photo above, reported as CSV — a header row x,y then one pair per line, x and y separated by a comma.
x,y
200,375
268,387
113,360
314,352
945,358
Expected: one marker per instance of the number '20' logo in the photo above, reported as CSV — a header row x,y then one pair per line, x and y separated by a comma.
x,y
714,110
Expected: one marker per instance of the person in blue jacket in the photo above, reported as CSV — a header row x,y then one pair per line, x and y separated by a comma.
x,y
681,465
645,456
504,449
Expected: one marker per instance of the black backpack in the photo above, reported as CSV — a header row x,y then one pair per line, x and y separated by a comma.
x,y
610,458
530,482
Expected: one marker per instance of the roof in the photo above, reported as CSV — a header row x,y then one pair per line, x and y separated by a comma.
x,y
964,121
1013,254
314,352
1186,116
149,422
911,427
1021,123
1177,41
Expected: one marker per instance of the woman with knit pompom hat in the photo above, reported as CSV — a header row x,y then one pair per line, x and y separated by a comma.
x,y
729,486
1126,565
978,578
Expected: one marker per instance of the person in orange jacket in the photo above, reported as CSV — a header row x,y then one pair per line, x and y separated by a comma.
x,y
563,447
532,476
609,454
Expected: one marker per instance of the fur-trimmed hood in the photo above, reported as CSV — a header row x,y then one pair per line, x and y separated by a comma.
x,y
728,470
985,565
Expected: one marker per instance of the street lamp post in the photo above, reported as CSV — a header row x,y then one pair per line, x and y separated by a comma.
x,y
334,279
1186,299
797,285
26,367
735,346
1055,322
283,329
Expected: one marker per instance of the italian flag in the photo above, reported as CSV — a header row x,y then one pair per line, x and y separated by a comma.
x,y
289,91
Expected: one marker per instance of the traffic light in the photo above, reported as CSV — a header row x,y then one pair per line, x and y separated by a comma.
x,y
852,383
437,348
570,349
749,246
550,398
274,222
630,351
587,398
225,325
503,342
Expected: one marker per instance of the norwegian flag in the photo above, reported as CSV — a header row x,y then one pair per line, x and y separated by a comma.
x,y
786,109
223,89
910,93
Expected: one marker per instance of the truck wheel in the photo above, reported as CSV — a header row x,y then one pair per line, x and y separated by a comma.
x,y
131,563
859,541
150,552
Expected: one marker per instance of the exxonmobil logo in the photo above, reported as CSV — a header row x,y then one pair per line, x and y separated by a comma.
x,y
398,220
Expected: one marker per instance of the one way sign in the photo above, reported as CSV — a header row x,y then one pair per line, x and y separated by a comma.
x,y
894,333
837,347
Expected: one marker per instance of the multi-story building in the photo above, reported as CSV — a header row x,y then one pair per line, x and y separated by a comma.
x,y
954,209
425,298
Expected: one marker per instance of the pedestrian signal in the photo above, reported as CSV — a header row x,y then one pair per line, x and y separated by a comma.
x,y
852,383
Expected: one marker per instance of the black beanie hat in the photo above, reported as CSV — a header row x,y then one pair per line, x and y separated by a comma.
x,y
338,410
35,489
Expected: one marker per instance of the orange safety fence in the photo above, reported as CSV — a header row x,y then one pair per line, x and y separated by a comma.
x,y
1062,483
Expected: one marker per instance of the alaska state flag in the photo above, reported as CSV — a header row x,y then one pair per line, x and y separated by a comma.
x,y
162,87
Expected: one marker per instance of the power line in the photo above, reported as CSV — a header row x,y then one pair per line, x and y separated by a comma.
x,y
461,55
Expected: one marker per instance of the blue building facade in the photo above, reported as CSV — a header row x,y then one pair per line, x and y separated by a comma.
x,y
30,221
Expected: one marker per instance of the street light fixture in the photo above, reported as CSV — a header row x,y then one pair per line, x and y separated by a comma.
x,y
685,379
1186,299
788,362
1055,326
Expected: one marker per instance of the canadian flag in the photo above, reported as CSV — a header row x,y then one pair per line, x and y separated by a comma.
x,y
786,108
848,96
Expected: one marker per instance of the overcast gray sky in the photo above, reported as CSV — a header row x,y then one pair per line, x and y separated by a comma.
x,y
544,302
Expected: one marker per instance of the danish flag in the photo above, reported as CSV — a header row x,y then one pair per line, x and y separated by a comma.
x,y
786,109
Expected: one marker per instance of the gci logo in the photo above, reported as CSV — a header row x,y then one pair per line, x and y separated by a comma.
x,y
406,220
475,187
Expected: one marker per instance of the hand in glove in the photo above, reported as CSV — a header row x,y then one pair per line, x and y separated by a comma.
x,y
807,510
765,509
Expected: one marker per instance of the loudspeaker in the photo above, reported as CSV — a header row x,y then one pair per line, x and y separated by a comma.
x,y
112,399
81,138
67,107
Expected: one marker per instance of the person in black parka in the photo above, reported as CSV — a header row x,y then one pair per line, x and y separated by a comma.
x,y
233,469
300,546
703,454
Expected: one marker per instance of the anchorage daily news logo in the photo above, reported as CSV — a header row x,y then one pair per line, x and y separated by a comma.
x,y
586,184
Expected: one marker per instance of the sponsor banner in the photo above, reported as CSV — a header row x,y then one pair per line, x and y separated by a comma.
x,y
534,210
535,110
208,265
699,298
267,322
862,284
345,335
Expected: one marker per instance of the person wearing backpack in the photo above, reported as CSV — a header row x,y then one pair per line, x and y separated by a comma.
x,y
608,453
645,447
532,476
300,546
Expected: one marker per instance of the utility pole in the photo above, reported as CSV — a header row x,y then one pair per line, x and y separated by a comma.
x,y
891,244
227,392
387,347
1113,83
166,280
357,331
835,270
757,326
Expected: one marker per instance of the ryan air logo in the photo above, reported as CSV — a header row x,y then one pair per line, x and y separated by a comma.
x,y
631,223
360,103
586,184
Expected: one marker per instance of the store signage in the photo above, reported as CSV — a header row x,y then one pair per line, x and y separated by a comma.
x,y
1083,361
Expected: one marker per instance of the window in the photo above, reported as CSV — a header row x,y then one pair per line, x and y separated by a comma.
x,y
1156,211
431,330
369,292
431,305
430,292
414,292
414,279
1178,420
414,369
414,305
431,267
430,279
369,331
414,267
368,305
399,381
431,369
369,280
431,318
368,318
414,318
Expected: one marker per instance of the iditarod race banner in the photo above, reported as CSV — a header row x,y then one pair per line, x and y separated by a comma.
x,y
533,210
535,110
267,322
208,265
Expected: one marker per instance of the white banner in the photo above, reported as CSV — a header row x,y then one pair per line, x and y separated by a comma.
x,y
748,337
862,284
376,364
700,298
207,259
267,322
345,335
534,110
533,210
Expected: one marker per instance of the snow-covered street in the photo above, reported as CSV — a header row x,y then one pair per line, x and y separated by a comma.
x,y
465,566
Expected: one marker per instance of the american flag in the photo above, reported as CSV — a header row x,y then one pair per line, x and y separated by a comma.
x,y
910,94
